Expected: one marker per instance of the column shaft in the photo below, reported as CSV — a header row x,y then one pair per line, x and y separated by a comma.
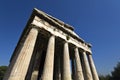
x,y
66,63
88,75
21,65
13,61
79,72
49,60
93,69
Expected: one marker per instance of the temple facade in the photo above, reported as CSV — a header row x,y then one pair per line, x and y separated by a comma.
x,y
49,49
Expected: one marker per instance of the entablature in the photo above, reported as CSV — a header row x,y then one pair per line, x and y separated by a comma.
x,y
65,35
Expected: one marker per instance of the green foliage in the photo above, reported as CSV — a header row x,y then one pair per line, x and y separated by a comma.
x,y
107,77
2,71
101,77
115,74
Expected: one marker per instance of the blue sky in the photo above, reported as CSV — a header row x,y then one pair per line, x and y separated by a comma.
x,y
96,21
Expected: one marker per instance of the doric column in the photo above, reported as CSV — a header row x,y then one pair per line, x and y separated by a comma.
x,y
88,75
79,72
13,61
21,65
49,60
66,63
93,69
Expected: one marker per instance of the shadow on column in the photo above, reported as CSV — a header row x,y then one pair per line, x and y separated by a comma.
x,y
58,60
37,61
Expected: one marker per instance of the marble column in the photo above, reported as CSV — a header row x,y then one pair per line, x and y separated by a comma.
x,y
49,60
21,65
79,72
13,61
66,63
88,75
93,69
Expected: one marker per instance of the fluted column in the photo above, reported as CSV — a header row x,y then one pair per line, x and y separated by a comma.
x,y
93,69
66,63
13,61
21,65
79,72
88,75
49,60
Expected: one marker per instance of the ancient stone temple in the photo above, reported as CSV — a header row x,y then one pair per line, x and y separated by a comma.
x,y
49,49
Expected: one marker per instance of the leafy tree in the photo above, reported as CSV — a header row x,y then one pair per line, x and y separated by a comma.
x,y
101,77
116,72
107,77
2,71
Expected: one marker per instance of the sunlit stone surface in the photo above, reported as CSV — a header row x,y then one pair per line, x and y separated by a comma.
x,y
49,49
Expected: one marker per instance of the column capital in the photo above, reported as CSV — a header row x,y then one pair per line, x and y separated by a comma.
x,y
34,26
63,42
86,52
